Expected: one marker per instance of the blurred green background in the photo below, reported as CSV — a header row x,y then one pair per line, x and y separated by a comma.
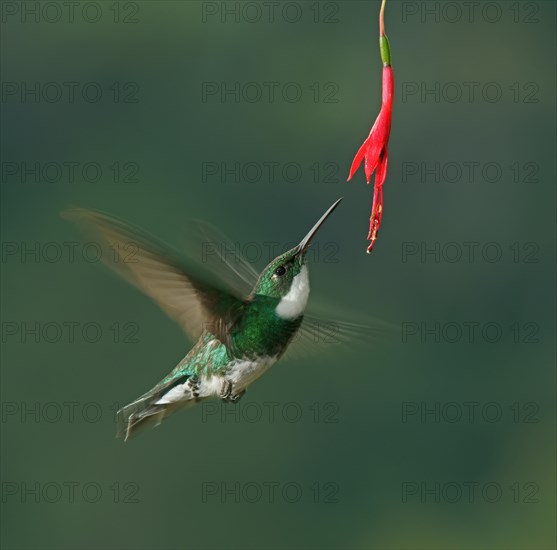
x,y
354,456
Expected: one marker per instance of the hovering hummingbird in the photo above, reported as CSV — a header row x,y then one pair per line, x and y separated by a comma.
x,y
238,337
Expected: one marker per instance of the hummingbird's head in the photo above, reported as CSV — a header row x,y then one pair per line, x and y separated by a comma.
x,y
286,277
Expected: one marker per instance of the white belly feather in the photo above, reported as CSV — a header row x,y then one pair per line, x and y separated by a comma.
x,y
242,373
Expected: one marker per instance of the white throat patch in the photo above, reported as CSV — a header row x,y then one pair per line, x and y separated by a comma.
x,y
294,303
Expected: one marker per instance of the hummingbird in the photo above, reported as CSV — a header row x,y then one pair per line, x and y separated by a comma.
x,y
237,338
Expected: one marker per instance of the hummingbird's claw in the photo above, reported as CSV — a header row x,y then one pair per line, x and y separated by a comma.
x,y
226,390
227,394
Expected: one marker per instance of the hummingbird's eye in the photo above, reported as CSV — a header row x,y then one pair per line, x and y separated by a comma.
x,y
280,271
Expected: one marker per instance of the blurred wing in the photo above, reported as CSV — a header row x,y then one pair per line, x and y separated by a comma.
x,y
321,332
182,291
220,256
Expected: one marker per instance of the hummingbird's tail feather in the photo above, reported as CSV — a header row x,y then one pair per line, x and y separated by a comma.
x,y
130,423
148,416
147,411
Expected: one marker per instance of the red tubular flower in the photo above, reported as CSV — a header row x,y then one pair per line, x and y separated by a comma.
x,y
374,150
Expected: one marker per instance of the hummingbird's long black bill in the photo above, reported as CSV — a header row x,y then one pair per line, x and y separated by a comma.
x,y
306,241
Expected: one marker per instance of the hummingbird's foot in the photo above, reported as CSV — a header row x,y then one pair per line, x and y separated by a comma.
x,y
236,397
193,385
227,392
226,389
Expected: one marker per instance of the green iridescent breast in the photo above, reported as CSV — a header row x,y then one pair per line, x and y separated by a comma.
x,y
260,331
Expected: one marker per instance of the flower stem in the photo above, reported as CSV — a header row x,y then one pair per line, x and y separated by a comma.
x,y
382,19
384,47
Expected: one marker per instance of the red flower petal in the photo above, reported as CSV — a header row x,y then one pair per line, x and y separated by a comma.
x,y
373,154
381,173
358,159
